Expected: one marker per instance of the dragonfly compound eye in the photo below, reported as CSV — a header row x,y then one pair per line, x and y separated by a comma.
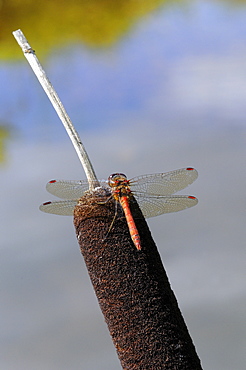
x,y
116,177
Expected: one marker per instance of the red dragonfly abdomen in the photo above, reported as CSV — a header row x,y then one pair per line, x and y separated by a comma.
x,y
124,201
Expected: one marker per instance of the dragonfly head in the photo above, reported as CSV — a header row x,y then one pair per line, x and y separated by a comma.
x,y
116,179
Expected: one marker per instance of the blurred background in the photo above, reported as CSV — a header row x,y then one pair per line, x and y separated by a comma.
x,y
151,86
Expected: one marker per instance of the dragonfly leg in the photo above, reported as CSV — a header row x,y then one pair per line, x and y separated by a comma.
x,y
111,225
105,201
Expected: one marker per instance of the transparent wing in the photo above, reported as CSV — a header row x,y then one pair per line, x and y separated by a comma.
x,y
163,183
68,189
62,207
155,206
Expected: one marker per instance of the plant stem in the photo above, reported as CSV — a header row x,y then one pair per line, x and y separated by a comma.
x,y
58,106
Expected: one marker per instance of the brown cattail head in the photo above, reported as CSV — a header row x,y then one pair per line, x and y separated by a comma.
x,y
132,288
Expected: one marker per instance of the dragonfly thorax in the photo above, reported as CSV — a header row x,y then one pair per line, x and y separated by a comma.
x,y
119,185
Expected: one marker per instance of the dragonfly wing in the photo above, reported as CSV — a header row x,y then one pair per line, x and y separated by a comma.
x,y
155,206
70,189
163,183
62,207
66,189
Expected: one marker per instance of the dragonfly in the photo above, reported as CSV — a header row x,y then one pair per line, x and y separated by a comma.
x,y
153,193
